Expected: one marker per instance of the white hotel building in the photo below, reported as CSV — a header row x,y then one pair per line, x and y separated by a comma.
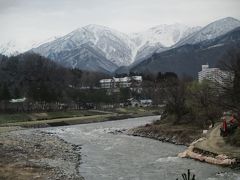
x,y
124,82
215,75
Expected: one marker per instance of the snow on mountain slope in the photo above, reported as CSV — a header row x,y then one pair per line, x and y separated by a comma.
x,y
115,46
39,43
13,47
9,48
187,59
86,58
167,35
211,31
160,38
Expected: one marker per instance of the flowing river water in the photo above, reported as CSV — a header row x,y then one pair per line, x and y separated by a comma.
x,y
108,156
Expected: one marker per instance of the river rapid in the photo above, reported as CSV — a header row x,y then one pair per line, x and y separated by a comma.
x,y
109,156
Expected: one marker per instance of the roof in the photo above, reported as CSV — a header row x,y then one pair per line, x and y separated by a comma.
x,y
124,79
137,78
106,80
146,101
18,100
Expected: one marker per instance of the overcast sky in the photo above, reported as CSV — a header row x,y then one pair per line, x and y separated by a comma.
x,y
28,21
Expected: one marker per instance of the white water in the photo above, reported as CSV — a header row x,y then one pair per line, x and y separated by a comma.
x,y
106,156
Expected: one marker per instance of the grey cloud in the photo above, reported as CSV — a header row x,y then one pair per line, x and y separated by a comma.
x,y
6,4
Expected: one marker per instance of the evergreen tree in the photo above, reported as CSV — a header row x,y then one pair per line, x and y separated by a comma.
x,y
16,92
4,93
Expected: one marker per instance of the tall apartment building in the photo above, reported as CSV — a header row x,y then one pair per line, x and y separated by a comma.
x,y
215,75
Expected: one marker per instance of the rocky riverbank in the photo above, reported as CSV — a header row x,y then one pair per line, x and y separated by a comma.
x,y
34,154
177,135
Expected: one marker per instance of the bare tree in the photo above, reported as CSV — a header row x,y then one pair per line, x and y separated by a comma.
x,y
231,90
175,91
203,100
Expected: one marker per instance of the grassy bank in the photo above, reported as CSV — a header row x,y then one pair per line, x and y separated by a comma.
x,y
24,117
71,117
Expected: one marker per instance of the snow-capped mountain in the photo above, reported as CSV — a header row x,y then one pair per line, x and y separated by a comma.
x,y
86,58
12,48
115,46
211,31
187,59
36,44
9,48
167,35
120,49
160,38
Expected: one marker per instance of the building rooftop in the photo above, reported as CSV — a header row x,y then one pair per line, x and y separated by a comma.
x,y
106,80
137,78
124,79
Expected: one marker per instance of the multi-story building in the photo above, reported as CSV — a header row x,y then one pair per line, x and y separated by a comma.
x,y
124,82
106,83
215,75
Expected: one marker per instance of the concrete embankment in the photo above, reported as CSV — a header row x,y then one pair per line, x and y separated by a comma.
x,y
213,149
204,156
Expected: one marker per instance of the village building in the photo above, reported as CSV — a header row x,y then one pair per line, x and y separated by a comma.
x,y
124,82
146,102
139,103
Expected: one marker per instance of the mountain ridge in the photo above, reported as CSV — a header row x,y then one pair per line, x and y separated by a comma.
x,y
211,31
187,59
118,48
111,49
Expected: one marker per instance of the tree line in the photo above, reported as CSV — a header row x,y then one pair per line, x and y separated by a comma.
x,y
44,82
47,85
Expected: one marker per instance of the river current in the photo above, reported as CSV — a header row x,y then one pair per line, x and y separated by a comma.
x,y
108,156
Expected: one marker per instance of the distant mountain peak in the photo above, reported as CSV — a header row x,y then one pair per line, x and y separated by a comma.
x,y
211,31
160,38
225,24
9,48
228,19
96,26
188,58
107,47
167,34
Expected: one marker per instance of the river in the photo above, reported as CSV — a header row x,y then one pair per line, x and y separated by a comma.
x,y
107,156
